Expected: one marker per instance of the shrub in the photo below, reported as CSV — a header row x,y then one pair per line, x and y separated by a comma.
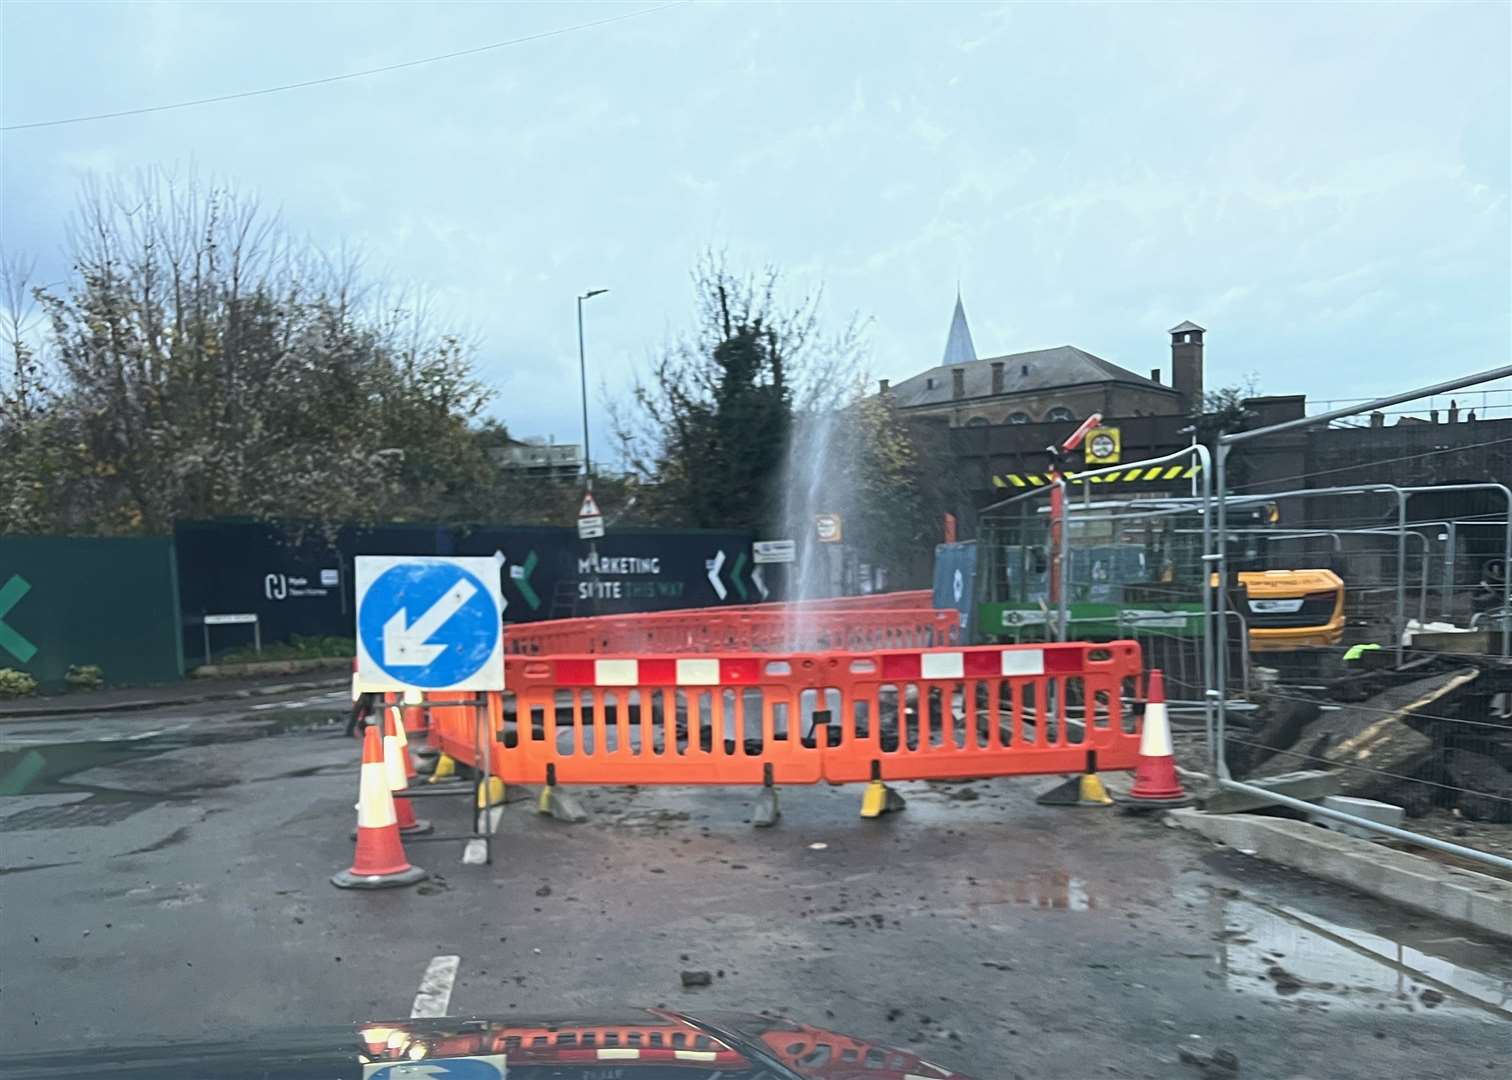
x,y
84,677
298,647
15,683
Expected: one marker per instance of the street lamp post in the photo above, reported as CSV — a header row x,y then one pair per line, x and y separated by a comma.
x,y
583,377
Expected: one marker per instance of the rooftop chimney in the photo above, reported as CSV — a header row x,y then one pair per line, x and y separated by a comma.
x,y
1453,411
882,385
1154,374
1378,419
1186,362
997,377
958,383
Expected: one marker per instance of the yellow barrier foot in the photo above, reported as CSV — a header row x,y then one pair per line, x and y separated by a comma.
x,y
1084,790
556,803
879,799
445,769
490,793
1092,791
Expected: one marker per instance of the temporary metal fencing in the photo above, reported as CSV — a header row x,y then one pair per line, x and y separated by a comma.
x,y
1191,614
1441,740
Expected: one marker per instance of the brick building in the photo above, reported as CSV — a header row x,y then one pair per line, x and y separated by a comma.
x,y
1003,411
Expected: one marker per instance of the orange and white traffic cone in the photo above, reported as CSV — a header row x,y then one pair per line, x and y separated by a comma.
x,y
1155,781
380,862
396,762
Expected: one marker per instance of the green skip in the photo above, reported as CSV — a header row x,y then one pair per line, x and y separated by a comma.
x,y
12,642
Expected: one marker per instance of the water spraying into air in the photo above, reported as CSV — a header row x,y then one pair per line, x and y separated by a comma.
x,y
813,484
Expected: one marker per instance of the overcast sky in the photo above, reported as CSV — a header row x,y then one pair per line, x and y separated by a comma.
x,y
1324,187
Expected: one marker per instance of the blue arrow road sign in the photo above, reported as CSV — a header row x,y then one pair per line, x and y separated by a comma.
x,y
428,623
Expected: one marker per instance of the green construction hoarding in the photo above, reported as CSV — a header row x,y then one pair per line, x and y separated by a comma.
x,y
111,602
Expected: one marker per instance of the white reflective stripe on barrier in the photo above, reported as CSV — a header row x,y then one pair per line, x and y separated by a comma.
x,y
696,1055
618,1053
616,672
375,804
942,665
698,673
1023,662
414,697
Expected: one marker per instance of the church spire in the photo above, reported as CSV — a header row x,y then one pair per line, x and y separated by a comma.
x,y
958,346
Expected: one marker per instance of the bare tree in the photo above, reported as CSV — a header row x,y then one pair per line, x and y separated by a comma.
x,y
206,364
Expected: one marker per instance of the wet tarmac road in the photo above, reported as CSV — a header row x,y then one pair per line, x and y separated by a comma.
x,y
172,881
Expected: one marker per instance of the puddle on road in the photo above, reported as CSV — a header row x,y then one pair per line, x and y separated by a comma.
x,y
1275,951
42,767
1048,890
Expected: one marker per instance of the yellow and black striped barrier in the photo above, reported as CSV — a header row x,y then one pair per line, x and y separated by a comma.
x,y
1137,475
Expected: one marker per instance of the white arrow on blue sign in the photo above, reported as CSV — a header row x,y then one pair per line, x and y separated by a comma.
x,y
429,623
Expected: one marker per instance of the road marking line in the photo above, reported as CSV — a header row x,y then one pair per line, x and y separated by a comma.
x,y
436,986
475,853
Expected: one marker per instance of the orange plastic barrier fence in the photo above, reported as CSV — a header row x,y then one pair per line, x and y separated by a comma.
x,y
453,728
1000,710
795,629
908,598
996,711
664,720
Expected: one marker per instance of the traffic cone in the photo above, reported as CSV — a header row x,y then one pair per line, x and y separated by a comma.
x,y
379,862
396,763
1155,781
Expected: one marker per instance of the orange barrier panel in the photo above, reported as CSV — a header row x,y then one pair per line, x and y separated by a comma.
x,y
789,630
998,710
663,720
453,728
991,711
906,599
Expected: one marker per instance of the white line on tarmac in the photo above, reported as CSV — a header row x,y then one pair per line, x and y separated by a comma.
x,y
436,986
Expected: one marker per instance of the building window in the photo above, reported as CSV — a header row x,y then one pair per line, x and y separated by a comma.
x,y
1059,415
1018,418
977,421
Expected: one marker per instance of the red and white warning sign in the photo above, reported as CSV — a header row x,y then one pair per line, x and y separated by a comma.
x,y
590,521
